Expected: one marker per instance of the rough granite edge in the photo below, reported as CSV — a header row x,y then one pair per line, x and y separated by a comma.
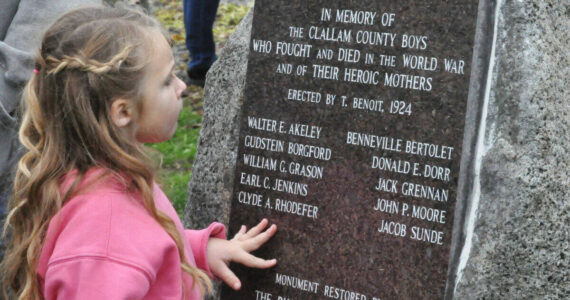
x,y
211,183
521,239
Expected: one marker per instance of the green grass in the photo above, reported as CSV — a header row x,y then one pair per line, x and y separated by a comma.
x,y
178,153
227,19
175,185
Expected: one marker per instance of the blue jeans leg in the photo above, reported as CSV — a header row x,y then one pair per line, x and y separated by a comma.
x,y
199,16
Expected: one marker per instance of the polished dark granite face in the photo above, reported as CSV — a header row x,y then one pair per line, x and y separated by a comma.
x,y
345,231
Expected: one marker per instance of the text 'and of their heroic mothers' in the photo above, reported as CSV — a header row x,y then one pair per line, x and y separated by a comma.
x,y
350,141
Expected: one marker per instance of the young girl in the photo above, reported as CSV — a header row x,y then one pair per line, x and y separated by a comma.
x,y
86,220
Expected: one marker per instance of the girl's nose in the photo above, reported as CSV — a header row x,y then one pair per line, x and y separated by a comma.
x,y
181,87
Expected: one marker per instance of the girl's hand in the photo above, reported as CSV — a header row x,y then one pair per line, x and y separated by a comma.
x,y
221,252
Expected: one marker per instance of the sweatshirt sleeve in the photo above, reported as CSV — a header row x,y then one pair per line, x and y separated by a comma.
x,y
95,278
199,240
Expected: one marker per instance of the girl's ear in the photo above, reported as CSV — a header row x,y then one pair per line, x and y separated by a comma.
x,y
122,112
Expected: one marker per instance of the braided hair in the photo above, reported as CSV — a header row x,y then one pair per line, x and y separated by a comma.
x,y
86,64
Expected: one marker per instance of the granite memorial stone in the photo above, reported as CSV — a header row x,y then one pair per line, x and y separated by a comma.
x,y
351,142
515,243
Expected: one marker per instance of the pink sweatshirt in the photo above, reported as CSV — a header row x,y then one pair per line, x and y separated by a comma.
x,y
103,244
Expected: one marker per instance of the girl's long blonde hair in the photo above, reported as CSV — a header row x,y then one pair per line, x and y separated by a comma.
x,y
87,59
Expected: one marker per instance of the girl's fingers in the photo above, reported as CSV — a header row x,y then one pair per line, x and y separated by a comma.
x,y
252,261
256,229
225,274
255,242
241,232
